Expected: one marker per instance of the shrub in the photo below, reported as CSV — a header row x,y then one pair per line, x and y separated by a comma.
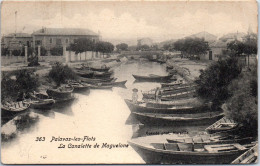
x,y
15,83
4,51
56,51
17,52
213,82
43,51
60,73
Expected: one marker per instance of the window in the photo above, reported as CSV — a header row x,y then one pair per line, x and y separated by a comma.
x,y
58,41
94,40
67,40
50,40
38,42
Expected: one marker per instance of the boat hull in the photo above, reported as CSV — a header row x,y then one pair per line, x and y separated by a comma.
x,y
152,79
161,121
190,110
100,69
59,95
156,156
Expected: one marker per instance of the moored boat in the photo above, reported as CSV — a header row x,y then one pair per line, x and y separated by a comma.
x,y
184,153
249,157
79,86
102,74
104,69
209,140
178,119
143,107
153,78
171,96
95,80
84,73
100,86
64,92
222,125
115,84
14,107
40,101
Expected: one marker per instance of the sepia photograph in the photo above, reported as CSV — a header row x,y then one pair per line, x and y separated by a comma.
x,y
129,82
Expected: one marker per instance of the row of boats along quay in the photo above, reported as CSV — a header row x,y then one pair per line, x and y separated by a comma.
x,y
150,105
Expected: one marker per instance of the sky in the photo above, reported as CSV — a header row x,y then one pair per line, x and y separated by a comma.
x,y
124,21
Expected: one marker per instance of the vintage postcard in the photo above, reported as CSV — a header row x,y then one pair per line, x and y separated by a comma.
x,y
129,82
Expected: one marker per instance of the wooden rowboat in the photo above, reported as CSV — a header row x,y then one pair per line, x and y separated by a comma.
x,y
100,86
178,119
209,140
15,107
173,96
222,125
84,73
183,153
79,86
100,69
153,78
102,74
114,84
249,157
142,107
61,92
95,80
40,101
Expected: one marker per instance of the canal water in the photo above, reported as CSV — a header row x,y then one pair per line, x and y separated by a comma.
x,y
100,116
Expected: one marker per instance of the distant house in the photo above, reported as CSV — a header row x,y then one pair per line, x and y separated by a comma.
x,y
144,41
17,40
58,37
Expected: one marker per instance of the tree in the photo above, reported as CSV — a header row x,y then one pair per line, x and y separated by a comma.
x,y
192,46
82,45
247,47
168,46
213,82
144,47
104,47
14,83
60,73
122,46
242,106
56,51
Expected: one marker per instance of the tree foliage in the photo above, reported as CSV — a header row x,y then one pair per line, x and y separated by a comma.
x,y
247,47
242,106
56,51
21,81
82,45
104,47
144,47
192,46
213,82
122,46
60,73
168,46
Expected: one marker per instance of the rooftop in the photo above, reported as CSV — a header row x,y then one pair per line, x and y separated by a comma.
x,y
65,31
18,35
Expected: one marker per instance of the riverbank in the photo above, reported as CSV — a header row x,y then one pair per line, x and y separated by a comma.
x,y
188,69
